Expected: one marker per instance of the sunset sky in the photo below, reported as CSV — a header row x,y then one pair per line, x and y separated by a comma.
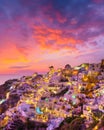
x,y
35,34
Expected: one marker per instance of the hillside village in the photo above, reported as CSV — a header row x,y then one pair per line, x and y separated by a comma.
x,y
68,98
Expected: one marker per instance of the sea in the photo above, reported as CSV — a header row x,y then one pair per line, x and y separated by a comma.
x,y
5,77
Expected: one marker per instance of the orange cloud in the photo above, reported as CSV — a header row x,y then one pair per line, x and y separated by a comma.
x,y
54,39
10,56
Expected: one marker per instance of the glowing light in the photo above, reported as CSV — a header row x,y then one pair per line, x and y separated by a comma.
x,y
47,99
102,91
1,101
38,110
11,87
74,103
73,96
96,128
7,95
65,99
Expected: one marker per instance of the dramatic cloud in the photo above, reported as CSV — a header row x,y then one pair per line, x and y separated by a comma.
x,y
37,33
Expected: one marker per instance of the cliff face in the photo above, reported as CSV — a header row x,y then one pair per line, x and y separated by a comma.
x,y
4,88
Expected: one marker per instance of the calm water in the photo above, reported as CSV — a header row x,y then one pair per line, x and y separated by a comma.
x,y
4,78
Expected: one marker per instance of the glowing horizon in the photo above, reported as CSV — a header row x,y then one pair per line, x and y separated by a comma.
x,y
36,34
